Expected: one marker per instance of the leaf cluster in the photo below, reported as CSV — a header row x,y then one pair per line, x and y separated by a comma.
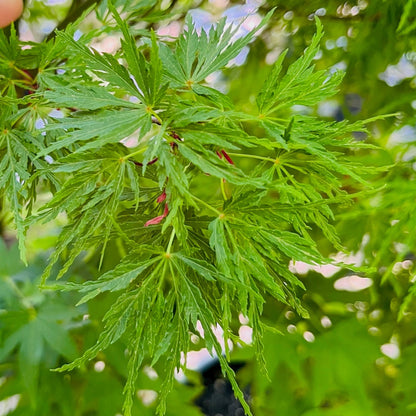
x,y
206,203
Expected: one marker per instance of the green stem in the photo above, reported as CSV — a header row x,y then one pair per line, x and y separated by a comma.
x,y
288,175
23,74
137,152
172,236
175,283
267,159
222,185
154,114
162,279
206,205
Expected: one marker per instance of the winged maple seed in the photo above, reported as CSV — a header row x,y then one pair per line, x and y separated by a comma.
x,y
175,136
227,157
222,153
161,197
149,163
158,219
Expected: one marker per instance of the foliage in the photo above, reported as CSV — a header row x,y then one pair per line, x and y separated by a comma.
x,y
174,210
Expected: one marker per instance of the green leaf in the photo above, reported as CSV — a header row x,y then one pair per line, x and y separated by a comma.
x,y
301,85
86,98
147,75
105,66
115,280
98,129
198,55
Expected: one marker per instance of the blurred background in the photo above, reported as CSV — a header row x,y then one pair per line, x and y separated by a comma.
x,y
356,355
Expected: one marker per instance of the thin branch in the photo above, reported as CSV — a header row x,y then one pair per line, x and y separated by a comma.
x,y
74,13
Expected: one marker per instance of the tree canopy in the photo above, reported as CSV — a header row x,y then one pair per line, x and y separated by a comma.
x,y
184,177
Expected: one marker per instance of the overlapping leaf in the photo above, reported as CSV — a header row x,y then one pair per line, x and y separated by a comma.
x,y
207,205
199,54
301,84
